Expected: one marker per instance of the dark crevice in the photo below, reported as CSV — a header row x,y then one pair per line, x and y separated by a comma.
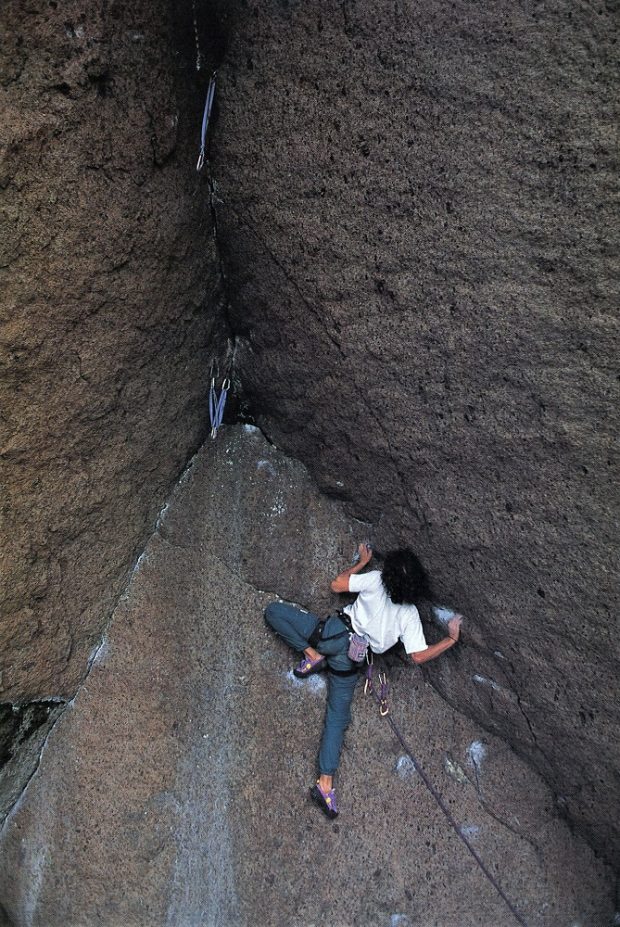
x,y
5,920
20,723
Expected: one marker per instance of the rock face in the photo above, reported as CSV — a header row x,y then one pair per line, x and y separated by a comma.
x,y
111,310
173,791
415,208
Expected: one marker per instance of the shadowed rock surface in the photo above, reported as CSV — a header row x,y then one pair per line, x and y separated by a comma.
x,y
173,791
416,208
110,311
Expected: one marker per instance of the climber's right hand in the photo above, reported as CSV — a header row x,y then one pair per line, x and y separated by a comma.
x,y
454,627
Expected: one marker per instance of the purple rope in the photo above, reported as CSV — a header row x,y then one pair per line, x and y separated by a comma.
x,y
429,785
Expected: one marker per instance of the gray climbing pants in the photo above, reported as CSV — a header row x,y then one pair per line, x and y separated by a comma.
x,y
295,626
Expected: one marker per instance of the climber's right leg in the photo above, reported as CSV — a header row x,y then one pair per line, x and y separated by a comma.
x,y
295,625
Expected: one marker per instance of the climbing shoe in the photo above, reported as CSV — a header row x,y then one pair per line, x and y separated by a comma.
x,y
325,800
307,666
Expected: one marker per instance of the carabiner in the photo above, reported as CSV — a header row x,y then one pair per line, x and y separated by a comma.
x,y
383,693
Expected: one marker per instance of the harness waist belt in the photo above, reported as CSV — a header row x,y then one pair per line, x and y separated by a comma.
x,y
317,634
346,620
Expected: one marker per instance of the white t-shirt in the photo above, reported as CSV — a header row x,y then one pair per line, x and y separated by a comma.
x,y
374,614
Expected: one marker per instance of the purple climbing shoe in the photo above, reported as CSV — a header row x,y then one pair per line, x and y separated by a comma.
x,y
325,800
307,666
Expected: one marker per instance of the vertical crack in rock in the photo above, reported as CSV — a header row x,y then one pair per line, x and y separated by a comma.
x,y
24,729
30,724
113,305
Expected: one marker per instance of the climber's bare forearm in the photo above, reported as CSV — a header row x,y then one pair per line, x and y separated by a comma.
x,y
434,651
356,568
341,583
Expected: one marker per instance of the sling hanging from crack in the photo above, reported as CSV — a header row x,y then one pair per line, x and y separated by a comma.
x,y
217,401
206,115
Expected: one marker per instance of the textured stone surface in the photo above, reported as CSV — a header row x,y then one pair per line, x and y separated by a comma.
x,y
416,205
173,791
110,310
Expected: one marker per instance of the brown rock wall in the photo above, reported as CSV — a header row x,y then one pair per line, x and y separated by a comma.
x,y
417,220
174,790
111,308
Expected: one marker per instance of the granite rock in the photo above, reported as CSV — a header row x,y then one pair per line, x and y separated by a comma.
x,y
174,789
415,207
111,309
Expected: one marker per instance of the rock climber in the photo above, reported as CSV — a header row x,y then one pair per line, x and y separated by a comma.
x,y
383,613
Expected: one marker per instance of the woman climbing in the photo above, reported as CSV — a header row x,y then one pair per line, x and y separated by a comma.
x,y
383,613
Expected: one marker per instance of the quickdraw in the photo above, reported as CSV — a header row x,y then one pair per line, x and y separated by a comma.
x,y
205,121
383,689
217,402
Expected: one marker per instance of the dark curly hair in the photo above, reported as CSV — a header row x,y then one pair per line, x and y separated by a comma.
x,y
404,578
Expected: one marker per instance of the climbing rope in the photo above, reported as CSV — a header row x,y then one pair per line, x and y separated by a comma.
x,y
380,697
217,401
206,115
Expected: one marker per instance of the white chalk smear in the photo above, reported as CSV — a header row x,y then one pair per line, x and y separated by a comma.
x,y
405,767
313,683
141,559
161,516
267,466
443,614
484,681
399,920
98,653
251,429
476,752
454,770
469,830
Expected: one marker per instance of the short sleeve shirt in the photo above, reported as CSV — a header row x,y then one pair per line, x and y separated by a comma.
x,y
374,614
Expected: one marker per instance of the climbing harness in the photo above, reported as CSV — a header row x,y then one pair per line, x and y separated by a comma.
x,y
217,402
380,696
317,634
205,120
